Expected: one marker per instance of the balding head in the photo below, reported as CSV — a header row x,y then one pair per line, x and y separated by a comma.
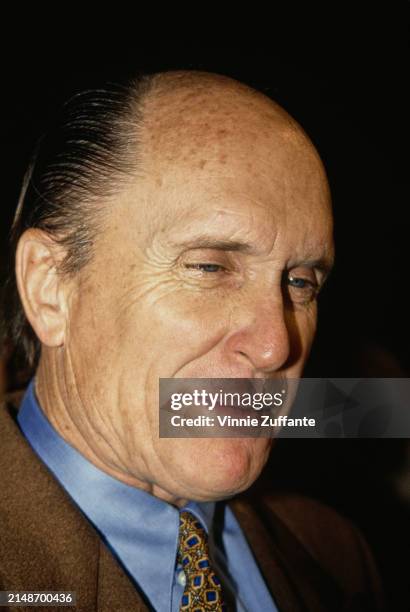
x,y
199,117
207,259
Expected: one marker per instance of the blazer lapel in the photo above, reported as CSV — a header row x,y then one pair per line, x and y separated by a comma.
x,y
115,589
46,542
296,581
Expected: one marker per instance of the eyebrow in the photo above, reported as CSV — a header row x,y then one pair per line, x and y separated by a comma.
x,y
205,242
324,264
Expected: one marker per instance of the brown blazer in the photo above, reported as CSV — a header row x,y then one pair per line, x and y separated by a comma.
x,y
311,558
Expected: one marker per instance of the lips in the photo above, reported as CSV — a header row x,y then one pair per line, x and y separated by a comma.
x,y
225,396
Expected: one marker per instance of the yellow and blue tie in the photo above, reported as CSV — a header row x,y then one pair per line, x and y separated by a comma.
x,y
203,591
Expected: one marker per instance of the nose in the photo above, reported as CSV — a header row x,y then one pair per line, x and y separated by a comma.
x,y
261,336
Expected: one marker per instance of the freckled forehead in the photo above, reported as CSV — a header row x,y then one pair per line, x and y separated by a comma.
x,y
216,153
217,134
212,120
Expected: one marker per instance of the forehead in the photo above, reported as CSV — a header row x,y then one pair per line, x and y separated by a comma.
x,y
218,122
233,159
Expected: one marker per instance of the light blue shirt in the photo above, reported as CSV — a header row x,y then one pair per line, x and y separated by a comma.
x,y
140,529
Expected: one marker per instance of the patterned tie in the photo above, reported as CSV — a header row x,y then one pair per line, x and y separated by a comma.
x,y
203,589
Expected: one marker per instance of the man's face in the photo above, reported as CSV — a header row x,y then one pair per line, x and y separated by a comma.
x,y
207,268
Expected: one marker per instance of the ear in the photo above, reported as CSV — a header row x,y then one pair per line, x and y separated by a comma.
x,y
43,291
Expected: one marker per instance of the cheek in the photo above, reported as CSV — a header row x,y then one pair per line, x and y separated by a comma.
x,y
170,326
92,344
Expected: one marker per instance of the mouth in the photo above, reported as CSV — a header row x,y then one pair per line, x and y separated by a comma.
x,y
233,397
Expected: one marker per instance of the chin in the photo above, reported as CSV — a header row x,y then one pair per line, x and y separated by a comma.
x,y
227,467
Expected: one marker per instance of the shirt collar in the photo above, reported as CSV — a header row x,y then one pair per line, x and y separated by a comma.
x,y
141,529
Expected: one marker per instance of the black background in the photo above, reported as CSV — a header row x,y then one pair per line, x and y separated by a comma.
x,y
345,80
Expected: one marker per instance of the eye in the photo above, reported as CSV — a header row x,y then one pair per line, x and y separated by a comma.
x,y
205,267
300,283
300,289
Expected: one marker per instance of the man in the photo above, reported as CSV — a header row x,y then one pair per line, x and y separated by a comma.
x,y
178,228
